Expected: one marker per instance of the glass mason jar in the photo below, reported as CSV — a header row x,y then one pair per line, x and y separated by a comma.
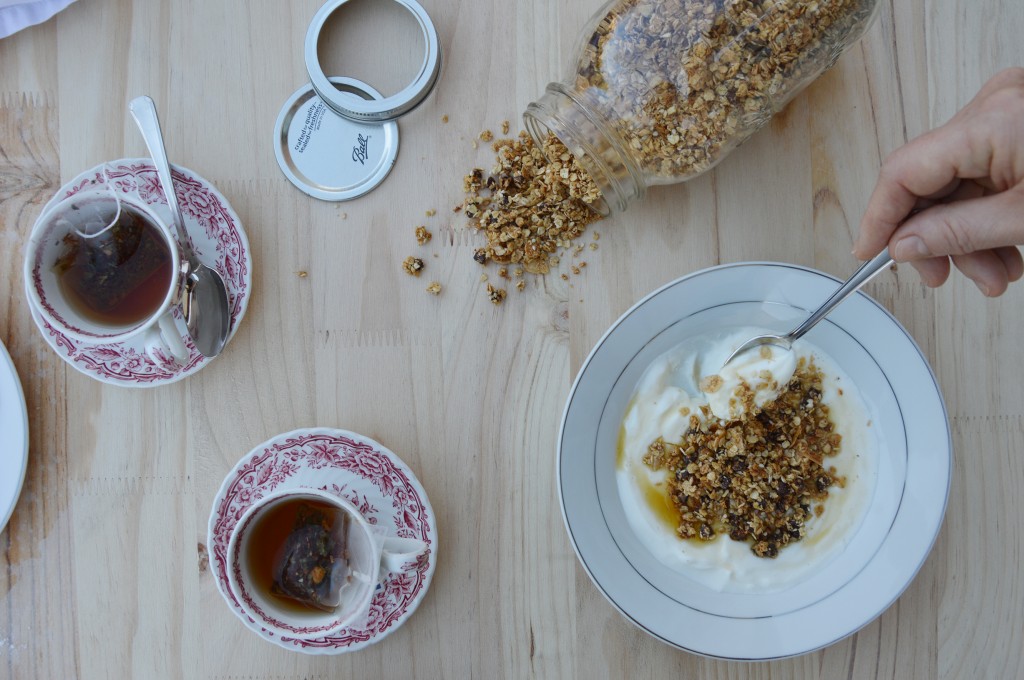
x,y
662,90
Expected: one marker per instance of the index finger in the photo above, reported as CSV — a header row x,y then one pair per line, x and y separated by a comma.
x,y
922,167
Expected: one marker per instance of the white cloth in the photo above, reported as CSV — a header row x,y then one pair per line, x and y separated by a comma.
x,y
18,14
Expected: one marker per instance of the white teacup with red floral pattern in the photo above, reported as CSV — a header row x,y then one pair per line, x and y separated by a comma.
x,y
49,297
369,553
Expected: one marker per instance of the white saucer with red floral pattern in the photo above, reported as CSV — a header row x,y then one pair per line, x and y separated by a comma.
x,y
218,239
368,476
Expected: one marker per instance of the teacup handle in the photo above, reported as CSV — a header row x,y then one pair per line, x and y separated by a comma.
x,y
164,344
396,552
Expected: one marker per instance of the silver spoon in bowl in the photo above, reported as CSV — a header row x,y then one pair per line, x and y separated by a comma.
x,y
865,273
204,299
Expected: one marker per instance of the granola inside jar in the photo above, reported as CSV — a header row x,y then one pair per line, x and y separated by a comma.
x,y
662,90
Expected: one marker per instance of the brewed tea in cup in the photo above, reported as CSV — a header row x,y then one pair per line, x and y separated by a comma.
x,y
102,268
305,563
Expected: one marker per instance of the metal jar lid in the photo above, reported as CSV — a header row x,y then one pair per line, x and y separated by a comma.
x,y
385,108
330,157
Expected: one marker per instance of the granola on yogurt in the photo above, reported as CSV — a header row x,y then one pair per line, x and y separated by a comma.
x,y
758,478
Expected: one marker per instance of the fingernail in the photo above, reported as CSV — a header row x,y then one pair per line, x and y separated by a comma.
x,y
911,248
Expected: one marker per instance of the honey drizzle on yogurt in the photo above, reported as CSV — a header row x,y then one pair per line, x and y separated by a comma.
x,y
660,405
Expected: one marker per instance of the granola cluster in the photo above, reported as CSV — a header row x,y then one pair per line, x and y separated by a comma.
x,y
755,478
412,265
535,201
496,295
683,81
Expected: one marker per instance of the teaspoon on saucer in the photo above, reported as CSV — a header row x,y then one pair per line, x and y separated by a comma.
x,y
204,300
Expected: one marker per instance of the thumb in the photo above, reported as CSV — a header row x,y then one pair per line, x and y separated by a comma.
x,y
962,227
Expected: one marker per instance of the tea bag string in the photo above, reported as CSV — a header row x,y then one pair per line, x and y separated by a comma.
x,y
108,184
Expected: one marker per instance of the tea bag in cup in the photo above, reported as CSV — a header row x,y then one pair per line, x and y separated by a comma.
x,y
305,563
312,566
109,254
101,266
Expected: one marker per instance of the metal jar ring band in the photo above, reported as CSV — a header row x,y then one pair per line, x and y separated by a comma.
x,y
388,108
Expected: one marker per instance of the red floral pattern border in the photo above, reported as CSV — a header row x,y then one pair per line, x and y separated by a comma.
x,y
267,469
122,362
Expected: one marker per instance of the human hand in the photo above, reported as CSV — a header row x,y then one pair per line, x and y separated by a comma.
x,y
966,182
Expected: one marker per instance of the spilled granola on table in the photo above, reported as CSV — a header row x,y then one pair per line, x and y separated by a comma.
x,y
423,235
534,202
758,478
496,295
412,265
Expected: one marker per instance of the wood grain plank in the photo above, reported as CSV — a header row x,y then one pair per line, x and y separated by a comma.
x,y
979,622
132,525
120,483
36,557
28,59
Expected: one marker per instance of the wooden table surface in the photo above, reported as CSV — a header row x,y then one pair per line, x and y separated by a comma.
x,y
101,573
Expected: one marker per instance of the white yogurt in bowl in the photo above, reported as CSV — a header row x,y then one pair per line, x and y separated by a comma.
x,y
665,397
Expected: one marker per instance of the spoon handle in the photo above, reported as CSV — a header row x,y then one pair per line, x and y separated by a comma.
x,y
143,110
865,273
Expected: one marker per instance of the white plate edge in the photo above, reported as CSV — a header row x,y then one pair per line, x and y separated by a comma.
x,y
597,345
19,392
